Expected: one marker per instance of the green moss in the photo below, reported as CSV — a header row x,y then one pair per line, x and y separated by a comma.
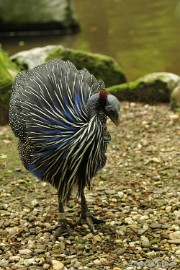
x,y
102,66
155,87
8,70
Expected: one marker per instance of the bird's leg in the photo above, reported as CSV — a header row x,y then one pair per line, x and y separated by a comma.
x,y
62,226
86,215
62,222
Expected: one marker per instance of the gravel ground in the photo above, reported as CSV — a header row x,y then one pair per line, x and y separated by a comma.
x,y
137,194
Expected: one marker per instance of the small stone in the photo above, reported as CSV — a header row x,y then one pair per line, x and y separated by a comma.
x,y
110,191
165,226
168,209
174,235
155,225
174,241
96,239
129,221
14,258
178,252
39,251
177,221
145,241
122,251
120,194
29,261
57,265
34,203
77,265
140,231
177,213
25,251
129,191
97,262
46,266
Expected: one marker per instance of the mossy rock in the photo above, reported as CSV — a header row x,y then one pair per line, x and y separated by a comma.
x,y
8,71
154,87
101,66
29,59
41,15
175,99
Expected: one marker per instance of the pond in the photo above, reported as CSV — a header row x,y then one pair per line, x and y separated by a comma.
x,y
142,36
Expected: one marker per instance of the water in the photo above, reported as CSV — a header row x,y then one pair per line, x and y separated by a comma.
x,y
143,36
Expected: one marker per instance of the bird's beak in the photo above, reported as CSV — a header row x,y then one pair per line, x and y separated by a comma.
x,y
115,120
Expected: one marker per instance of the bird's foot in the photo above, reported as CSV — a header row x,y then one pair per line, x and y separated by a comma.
x,y
89,219
62,228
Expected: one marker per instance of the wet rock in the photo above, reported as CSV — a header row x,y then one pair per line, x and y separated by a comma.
x,y
52,15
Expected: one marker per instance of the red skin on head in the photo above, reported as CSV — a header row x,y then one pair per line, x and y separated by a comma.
x,y
103,97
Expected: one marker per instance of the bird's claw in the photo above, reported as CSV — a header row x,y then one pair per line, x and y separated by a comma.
x,y
89,219
61,229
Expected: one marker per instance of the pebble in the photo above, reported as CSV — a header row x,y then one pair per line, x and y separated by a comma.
x,y
130,221
155,225
97,262
39,251
14,258
175,235
34,203
120,194
46,266
110,191
145,241
174,241
140,205
29,261
96,239
25,251
57,265
168,209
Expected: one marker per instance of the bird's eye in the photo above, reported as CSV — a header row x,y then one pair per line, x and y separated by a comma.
x,y
111,110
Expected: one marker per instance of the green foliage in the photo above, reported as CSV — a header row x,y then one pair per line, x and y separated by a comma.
x,y
8,70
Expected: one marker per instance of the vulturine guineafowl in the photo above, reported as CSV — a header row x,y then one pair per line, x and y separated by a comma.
x,y
59,114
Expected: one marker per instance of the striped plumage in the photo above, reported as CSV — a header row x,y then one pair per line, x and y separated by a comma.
x,y
59,115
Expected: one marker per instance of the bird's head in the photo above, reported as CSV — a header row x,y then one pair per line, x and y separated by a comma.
x,y
111,106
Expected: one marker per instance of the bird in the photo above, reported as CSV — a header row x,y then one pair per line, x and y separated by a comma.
x,y
59,114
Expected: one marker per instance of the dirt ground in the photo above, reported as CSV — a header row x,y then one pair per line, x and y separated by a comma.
x,y
137,194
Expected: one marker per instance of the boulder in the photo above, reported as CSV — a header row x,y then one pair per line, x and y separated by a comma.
x,y
154,87
32,15
8,71
102,66
175,99
31,58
